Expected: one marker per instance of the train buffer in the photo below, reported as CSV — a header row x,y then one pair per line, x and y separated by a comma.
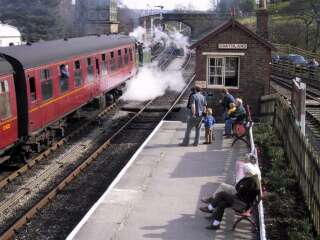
x,y
157,195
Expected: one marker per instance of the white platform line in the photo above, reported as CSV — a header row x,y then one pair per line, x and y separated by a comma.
x,y
115,181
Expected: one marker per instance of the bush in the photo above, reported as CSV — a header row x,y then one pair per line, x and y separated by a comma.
x,y
286,214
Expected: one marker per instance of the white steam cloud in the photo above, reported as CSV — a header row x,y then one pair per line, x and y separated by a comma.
x,y
151,82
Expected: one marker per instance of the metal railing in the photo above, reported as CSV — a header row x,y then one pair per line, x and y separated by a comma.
x,y
288,49
254,152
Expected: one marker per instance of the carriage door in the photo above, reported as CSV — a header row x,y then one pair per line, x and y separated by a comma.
x,y
33,100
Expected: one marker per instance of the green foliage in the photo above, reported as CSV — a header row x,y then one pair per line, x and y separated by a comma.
x,y
36,19
286,214
247,6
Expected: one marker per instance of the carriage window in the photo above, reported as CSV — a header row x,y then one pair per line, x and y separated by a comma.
x,y
33,93
5,108
90,70
46,84
130,53
64,78
223,71
119,58
77,73
97,66
103,64
126,56
112,61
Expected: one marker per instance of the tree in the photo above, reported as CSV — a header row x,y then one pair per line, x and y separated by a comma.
x,y
36,19
301,10
247,6
309,12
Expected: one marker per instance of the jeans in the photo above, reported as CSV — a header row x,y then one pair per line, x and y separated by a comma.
x,y
222,201
193,122
228,125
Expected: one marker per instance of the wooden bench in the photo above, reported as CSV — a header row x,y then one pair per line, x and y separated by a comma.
x,y
241,129
250,213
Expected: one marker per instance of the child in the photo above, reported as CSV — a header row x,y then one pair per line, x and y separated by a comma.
x,y
209,121
232,109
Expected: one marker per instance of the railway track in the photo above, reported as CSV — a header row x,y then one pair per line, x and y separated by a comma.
x,y
166,58
312,111
142,122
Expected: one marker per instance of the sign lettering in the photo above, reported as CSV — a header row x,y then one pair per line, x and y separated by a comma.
x,y
232,46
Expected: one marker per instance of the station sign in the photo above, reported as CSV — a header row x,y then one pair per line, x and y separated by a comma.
x,y
298,103
232,46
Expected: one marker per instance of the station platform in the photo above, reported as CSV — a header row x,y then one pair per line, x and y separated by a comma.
x,y
157,195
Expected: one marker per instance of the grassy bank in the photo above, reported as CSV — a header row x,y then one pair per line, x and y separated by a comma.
x,y
286,215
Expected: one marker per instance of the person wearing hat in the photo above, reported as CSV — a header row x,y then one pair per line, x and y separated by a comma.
x,y
239,198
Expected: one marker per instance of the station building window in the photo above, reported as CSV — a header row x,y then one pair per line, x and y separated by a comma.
x,y
5,109
119,58
33,91
77,74
64,78
223,71
90,69
46,84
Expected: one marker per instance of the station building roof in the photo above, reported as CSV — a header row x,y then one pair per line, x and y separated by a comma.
x,y
229,24
42,53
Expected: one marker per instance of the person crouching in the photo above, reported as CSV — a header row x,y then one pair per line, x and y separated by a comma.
x,y
209,121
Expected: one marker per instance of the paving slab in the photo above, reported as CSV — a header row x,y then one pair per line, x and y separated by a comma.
x,y
159,195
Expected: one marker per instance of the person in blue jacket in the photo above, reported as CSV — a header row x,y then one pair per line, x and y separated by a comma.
x,y
209,121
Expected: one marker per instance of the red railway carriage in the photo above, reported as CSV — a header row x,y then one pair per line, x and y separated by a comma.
x,y
43,82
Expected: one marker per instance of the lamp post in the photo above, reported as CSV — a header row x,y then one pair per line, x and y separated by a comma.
x,y
161,16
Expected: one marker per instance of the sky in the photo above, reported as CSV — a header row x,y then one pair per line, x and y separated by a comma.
x,y
168,4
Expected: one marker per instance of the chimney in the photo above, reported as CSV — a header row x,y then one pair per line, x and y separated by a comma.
x,y
262,19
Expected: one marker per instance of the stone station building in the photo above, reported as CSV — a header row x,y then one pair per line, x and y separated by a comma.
x,y
233,57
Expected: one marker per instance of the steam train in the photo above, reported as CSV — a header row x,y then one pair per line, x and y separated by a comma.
x,y
42,83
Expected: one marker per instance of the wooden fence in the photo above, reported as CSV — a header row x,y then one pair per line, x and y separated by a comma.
x,y
288,49
311,76
302,156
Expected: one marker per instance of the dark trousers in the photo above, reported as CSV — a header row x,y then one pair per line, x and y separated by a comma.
x,y
222,201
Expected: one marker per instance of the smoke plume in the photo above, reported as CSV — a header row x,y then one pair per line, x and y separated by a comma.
x,y
151,82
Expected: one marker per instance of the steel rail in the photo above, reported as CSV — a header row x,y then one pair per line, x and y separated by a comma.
x,y
10,232
50,150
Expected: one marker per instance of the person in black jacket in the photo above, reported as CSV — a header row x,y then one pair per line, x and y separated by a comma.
x,y
247,189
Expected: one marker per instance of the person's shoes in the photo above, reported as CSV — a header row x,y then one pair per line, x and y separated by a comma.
x,y
205,209
183,145
209,142
195,144
213,227
205,200
205,143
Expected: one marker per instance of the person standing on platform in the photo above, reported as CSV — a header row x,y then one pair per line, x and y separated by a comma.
x,y
209,121
198,107
189,113
227,99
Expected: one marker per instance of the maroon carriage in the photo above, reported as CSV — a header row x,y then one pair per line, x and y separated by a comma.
x,y
52,80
